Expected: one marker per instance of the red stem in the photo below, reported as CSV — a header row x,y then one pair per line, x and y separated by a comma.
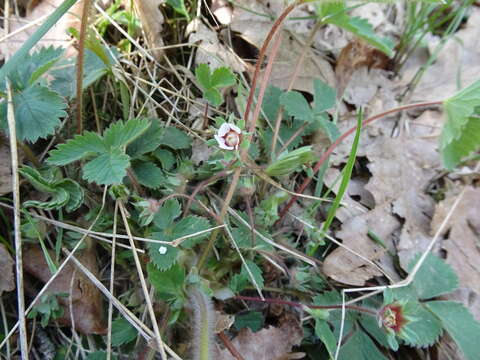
x,y
332,147
295,304
228,344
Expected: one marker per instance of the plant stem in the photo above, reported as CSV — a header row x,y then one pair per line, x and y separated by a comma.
x,y
332,147
80,63
296,304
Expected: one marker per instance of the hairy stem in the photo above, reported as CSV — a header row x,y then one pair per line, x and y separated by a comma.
x,y
204,324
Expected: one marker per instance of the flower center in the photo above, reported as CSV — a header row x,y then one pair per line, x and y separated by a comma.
x,y
231,138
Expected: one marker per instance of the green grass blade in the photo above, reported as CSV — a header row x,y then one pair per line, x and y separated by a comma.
x,y
347,173
36,36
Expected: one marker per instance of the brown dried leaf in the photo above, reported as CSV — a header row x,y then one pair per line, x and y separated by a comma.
x,y
5,168
461,244
272,343
7,280
401,169
56,36
85,297
152,22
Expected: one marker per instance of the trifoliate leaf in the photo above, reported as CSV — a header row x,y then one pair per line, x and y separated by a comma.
x,y
289,162
296,105
37,113
108,168
324,97
75,149
190,225
168,282
168,212
255,271
435,277
121,134
360,347
162,255
175,139
214,96
460,324
460,133
325,334
148,142
122,332
148,174
222,77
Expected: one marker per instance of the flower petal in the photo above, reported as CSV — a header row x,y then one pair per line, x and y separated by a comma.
x,y
221,143
224,129
235,128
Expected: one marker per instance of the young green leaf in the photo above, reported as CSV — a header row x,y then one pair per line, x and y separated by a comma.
x,y
252,320
255,271
120,134
464,145
324,97
360,347
296,105
179,6
170,282
37,113
190,225
148,174
77,148
175,139
210,83
424,329
165,216
162,255
460,324
148,142
122,332
222,77
325,334
107,169
202,73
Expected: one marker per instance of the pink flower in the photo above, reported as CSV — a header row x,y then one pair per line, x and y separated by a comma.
x,y
228,137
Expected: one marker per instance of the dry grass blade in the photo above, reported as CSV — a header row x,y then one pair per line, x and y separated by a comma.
x,y
112,279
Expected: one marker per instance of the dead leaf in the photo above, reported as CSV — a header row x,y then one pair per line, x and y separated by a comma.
x,y
254,29
272,343
86,299
401,169
348,268
457,63
56,36
152,22
209,49
461,244
7,280
5,167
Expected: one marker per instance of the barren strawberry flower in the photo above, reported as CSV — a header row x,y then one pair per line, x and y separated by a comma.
x,y
228,136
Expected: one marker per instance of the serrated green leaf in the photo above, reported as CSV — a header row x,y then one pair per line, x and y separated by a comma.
x,y
169,282
165,157
222,77
122,332
202,73
255,271
148,174
58,200
370,324
271,102
328,298
328,126
424,329
108,168
148,142
121,134
296,105
360,347
77,148
289,162
325,334
75,193
324,97
460,324
434,278
167,213
35,178
190,225
214,96
37,113
162,255
464,145
175,139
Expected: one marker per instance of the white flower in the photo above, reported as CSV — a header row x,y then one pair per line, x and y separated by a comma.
x,y
162,250
228,136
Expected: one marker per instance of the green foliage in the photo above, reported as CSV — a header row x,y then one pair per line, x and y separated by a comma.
x,y
325,334
148,174
100,355
239,282
289,162
169,284
324,98
167,229
175,139
122,332
48,308
336,13
109,164
360,347
179,6
461,132
268,209
460,324
65,192
252,320
211,83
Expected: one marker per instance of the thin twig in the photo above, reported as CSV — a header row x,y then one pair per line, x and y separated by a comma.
x,y
112,279
228,344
